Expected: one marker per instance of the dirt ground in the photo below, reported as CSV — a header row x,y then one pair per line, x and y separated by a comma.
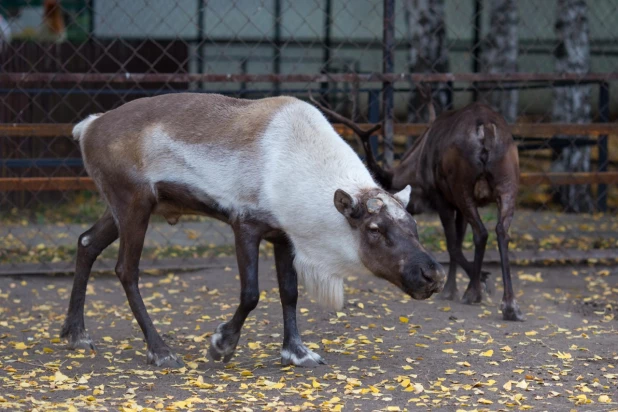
x,y
384,351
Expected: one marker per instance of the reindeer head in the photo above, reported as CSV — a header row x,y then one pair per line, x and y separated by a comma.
x,y
389,243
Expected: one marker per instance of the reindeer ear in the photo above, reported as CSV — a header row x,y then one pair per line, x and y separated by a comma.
x,y
346,205
404,195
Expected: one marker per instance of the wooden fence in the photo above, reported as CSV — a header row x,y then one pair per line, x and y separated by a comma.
x,y
542,130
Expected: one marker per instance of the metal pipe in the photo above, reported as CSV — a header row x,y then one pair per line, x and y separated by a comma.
x,y
476,45
328,22
602,145
277,48
200,40
388,37
561,78
91,19
243,85
373,115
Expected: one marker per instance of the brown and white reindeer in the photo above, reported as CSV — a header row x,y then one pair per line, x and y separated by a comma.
x,y
465,159
273,169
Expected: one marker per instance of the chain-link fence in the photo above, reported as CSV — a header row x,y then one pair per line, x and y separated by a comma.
x,y
548,66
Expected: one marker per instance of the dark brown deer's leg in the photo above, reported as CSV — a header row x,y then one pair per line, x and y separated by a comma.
x,y
89,246
247,238
461,224
293,351
474,292
506,207
133,220
454,224
447,217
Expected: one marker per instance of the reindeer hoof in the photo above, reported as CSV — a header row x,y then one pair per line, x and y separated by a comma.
x,y
449,293
472,296
83,343
511,311
223,344
299,355
78,340
164,359
217,355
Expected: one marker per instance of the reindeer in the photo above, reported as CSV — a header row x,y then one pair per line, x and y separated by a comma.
x,y
273,169
465,159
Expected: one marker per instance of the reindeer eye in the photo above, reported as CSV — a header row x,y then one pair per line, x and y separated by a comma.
x,y
374,228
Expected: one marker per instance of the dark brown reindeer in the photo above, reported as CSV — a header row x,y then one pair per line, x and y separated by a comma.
x,y
465,159
273,169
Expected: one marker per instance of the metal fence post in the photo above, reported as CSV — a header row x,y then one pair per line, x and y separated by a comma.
x,y
388,51
373,115
200,40
328,23
476,35
243,85
277,48
91,19
602,145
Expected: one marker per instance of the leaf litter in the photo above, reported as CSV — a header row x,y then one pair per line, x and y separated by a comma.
x,y
385,351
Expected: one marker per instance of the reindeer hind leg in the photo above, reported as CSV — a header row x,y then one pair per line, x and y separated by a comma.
x,y
474,292
89,246
510,308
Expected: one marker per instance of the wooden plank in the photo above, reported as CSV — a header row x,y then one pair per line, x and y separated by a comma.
x,y
36,129
520,129
412,129
533,179
566,129
39,184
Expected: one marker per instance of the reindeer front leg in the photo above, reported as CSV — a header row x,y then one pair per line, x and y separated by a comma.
x,y
247,238
133,223
293,351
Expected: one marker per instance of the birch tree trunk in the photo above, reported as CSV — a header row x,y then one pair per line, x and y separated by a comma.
x,y
499,55
572,103
428,53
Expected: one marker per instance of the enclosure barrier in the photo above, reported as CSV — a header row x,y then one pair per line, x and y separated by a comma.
x,y
363,58
544,130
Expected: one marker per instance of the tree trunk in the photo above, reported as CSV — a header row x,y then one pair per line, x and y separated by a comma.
x,y
428,53
500,51
572,103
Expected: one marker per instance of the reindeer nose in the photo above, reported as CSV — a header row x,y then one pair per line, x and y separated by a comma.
x,y
435,275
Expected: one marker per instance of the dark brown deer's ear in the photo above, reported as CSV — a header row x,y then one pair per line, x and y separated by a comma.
x,y
347,206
